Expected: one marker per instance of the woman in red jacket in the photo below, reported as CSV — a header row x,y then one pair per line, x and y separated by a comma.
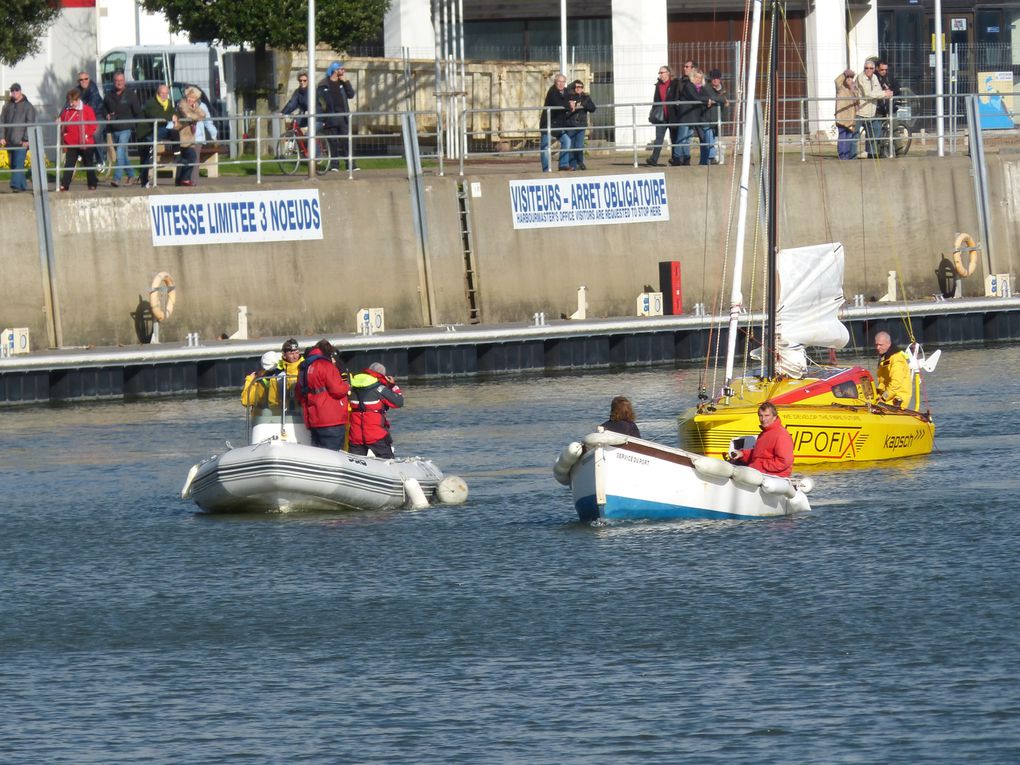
x,y
77,134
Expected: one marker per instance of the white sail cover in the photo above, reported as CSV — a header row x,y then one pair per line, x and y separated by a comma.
x,y
810,296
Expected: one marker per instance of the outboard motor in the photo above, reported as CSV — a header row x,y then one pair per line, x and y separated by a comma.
x,y
737,445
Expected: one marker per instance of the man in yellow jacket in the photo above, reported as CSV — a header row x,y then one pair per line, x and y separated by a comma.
x,y
893,377
262,387
291,363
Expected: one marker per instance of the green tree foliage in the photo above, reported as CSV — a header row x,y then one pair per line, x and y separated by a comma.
x,y
25,28
278,24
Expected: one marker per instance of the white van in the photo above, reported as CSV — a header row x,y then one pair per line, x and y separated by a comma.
x,y
145,66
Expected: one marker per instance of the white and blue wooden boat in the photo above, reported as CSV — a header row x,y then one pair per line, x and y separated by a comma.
x,y
615,477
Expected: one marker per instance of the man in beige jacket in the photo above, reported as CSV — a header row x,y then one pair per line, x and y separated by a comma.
x,y
870,92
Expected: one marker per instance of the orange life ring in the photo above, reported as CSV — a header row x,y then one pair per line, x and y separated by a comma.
x,y
162,296
964,241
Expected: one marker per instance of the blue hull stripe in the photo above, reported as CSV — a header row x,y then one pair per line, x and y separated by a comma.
x,y
630,509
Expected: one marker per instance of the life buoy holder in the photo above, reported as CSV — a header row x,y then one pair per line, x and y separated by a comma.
x,y
964,242
162,296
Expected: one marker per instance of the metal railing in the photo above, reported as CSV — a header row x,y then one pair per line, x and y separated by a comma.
x,y
480,143
262,146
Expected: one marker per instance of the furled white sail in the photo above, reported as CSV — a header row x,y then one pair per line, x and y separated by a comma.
x,y
810,296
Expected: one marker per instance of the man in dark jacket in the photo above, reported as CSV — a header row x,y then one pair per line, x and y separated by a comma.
x,y
890,84
16,114
121,105
334,94
158,111
322,393
553,122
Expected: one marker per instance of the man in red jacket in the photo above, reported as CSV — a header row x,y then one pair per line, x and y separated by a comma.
x,y
773,451
322,392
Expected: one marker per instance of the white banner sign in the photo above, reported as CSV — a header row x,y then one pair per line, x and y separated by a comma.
x,y
589,200
235,217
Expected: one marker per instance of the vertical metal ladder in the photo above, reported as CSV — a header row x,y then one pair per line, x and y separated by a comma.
x,y
467,244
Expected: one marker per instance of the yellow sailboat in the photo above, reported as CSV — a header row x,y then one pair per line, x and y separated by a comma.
x,y
833,414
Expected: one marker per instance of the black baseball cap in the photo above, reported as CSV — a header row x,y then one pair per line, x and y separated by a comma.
x,y
291,345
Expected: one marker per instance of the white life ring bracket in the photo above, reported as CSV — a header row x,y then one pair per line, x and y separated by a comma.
x,y
162,296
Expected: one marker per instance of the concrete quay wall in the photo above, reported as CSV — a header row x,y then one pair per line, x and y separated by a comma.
x,y
897,215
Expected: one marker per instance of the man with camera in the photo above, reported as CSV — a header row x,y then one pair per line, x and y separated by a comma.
x,y
577,120
334,95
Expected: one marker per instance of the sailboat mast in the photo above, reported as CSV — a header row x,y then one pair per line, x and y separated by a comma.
x,y
769,352
736,294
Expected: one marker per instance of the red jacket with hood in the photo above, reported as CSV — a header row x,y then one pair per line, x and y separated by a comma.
x,y
322,392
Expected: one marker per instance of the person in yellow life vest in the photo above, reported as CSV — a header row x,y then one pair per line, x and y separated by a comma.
x,y
262,387
893,377
291,363
373,393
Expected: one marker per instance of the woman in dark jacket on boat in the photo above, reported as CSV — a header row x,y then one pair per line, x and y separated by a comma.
x,y
621,418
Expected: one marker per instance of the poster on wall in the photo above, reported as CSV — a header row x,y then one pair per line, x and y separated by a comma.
x,y
594,200
995,105
239,217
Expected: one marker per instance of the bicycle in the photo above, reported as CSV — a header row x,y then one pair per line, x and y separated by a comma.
x,y
292,150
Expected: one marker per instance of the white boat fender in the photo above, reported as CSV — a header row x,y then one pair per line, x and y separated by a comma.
x,y
747,476
709,467
805,483
799,503
186,489
568,458
452,490
774,484
414,497
606,438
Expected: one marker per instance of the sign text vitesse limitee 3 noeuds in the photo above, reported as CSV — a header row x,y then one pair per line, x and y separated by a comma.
x,y
235,218
589,200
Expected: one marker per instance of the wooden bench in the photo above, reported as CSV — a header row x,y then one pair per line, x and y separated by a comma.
x,y
208,159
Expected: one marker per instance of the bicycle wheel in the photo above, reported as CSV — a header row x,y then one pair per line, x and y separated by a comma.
x,y
901,140
323,156
288,153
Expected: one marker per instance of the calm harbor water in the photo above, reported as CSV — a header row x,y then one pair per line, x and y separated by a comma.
x,y
883,627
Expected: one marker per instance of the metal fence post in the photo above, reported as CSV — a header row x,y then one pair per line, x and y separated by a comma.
x,y
980,171
44,233
419,214
633,133
258,148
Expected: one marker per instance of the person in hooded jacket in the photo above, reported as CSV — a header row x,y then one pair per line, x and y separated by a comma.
x,y
77,134
322,393
373,392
